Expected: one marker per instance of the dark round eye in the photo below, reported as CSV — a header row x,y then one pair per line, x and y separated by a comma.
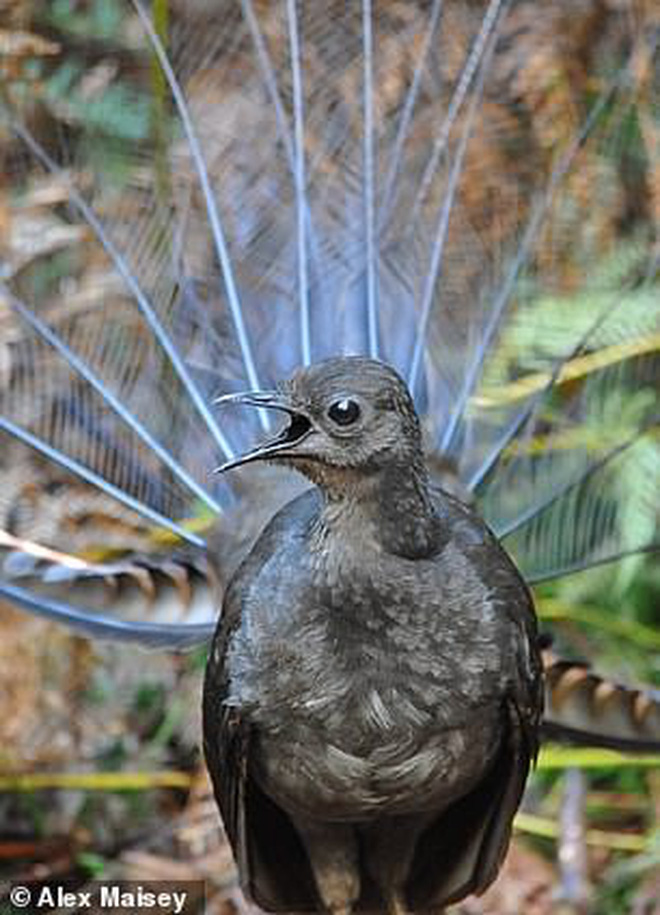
x,y
344,412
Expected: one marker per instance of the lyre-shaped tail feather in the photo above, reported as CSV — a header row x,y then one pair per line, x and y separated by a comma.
x,y
583,708
268,184
166,603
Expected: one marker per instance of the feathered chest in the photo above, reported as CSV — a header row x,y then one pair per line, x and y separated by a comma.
x,y
366,688
362,643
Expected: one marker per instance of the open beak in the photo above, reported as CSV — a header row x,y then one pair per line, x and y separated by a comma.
x,y
296,430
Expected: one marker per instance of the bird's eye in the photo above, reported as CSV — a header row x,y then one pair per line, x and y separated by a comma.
x,y
344,412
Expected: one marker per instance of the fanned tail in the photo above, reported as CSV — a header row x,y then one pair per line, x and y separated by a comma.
x,y
264,185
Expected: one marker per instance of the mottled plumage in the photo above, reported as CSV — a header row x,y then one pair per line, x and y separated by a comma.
x,y
373,692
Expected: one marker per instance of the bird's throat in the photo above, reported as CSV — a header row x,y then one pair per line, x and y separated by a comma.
x,y
390,510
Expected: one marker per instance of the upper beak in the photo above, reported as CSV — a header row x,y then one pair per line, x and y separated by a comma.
x,y
298,428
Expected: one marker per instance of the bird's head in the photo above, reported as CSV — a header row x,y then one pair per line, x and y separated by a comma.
x,y
346,416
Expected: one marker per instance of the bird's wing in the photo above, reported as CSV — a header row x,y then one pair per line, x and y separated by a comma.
x,y
461,852
226,736
269,854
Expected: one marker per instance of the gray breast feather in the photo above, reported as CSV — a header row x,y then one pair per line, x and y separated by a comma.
x,y
394,777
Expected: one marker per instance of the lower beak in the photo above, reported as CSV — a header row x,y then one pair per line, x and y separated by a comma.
x,y
292,434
